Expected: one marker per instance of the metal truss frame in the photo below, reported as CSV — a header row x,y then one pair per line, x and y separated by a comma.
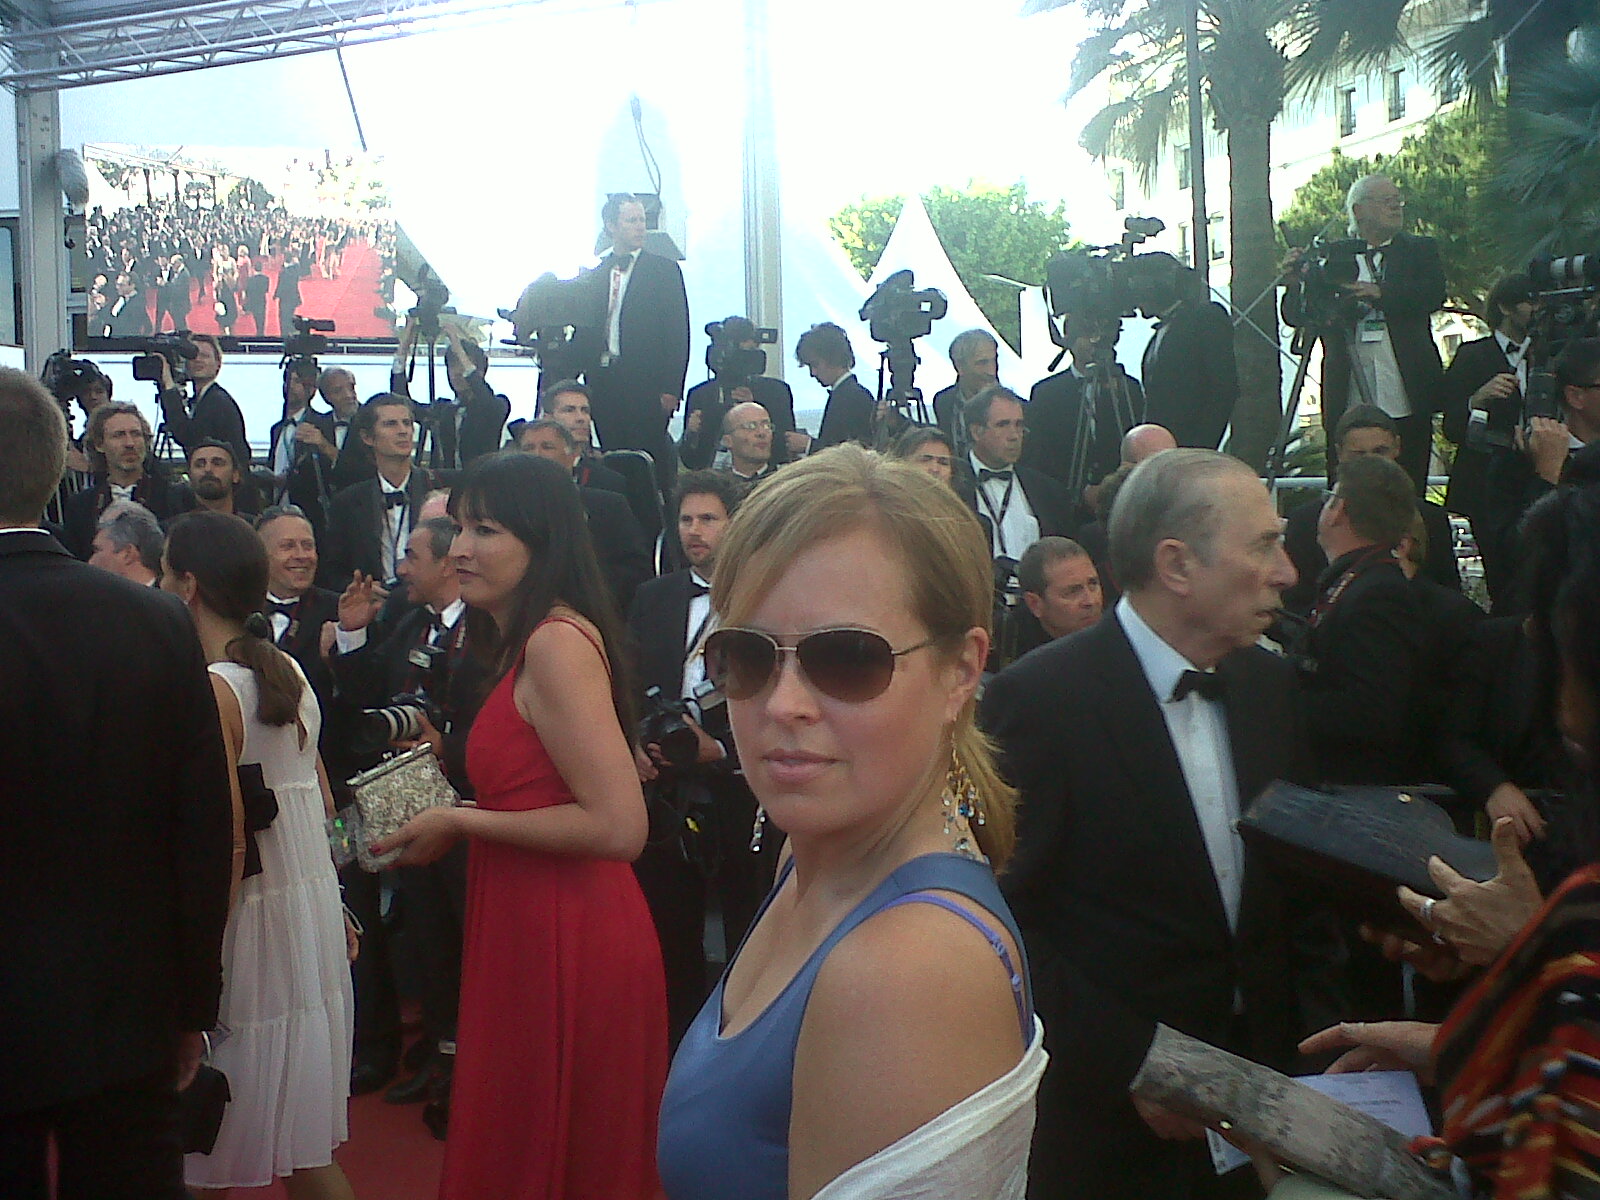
x,y
193,37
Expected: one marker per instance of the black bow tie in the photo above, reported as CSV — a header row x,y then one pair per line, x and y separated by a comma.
x,y
1513,348
279,608
394,499
1207,683
620,262
698,589
1005,476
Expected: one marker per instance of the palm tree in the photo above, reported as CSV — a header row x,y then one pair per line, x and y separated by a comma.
x,y
1254,54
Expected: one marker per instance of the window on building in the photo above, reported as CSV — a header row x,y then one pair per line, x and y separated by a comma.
x,y
1217,236
1449,89
10,284
1346,107
1183,167
1119,187
1183,245
1395,94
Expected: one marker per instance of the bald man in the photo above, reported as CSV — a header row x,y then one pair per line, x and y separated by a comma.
x,y
747,436
1143,441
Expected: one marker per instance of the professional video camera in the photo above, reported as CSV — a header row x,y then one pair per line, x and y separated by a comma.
x,y
1100,284
433,299
71,378
300,349
1328,266
1565,292
898,312
178,349
547,313
726,357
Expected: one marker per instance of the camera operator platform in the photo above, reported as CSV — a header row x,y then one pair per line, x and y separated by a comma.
x,y
702,812
1380,330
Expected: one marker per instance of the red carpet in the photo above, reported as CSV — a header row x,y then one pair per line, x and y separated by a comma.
x,y
390,1155
348,299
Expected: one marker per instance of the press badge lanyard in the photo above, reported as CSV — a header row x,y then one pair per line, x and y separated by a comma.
x,y
999,518
1371,326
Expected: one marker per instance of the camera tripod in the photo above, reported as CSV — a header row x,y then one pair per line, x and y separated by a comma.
x,y
899,360
1305,337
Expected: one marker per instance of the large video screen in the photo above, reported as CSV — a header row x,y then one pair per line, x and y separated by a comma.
x,y
236,242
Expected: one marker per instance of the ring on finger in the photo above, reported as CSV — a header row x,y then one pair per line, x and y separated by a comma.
x,y
1427,911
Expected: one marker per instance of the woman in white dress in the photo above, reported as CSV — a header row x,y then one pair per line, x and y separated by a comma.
x,y
286,997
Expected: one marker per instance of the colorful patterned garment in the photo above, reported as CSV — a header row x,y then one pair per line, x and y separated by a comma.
x,y
1519,1058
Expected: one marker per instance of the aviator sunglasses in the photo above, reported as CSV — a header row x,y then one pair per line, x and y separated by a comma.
x,y
849,665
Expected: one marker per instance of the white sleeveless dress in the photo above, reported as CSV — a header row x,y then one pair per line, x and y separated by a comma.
x,y
286,991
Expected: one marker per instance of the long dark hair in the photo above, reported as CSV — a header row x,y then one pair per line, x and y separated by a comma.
x,y
539,505
229,565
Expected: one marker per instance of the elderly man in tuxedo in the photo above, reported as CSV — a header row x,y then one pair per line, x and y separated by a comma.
x,y
1135,745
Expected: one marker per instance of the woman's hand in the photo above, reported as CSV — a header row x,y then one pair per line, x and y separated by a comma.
x,y
426,838
428,737
1433,960
1377,1046
1479,919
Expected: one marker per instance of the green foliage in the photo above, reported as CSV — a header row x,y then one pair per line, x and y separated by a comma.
x,y
984,229
1447,172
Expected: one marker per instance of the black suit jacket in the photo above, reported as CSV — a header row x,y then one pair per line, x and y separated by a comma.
x,y
215,415
1190,376
1413,290
848,415
591,472
1474,364
658,632
355,463
653,328
311,476
1370,647
1056,513
1113,889
115,829
355,529
1055,414
81,511
132,320
1300,542
619,543
480,427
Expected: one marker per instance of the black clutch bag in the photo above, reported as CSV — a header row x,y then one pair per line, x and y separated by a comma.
x,y
200,1109
1360,843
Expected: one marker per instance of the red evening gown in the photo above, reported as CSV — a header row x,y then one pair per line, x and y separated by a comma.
x,y
562,1041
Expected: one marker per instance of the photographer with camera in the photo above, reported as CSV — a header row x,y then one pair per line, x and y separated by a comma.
x,y
1533,465
1077,418
824,350
475,424
1189,373
1374,309
209,412
119,442
701,810
421,673
300,472
75,380
736,362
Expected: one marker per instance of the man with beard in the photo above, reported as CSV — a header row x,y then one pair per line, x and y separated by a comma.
x,y
214,479
119,440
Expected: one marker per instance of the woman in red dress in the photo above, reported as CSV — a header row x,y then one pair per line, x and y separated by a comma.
x,y
562,1041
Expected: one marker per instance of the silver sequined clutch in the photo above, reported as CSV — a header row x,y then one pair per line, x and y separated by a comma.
x,y
393,792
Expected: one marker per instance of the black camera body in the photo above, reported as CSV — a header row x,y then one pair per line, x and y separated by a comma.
x,y
899,312
1329,265
307,341
729,361
177,349
547,312
1099,285
398,721
69,378
665,724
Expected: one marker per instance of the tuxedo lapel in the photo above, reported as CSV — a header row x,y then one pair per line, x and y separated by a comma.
x,y
1137,734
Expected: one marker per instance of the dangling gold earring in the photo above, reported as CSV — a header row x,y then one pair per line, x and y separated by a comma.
x,y
960,799
756,830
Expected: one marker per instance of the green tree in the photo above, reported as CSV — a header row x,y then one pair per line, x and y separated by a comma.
x,y
985,229
1447,171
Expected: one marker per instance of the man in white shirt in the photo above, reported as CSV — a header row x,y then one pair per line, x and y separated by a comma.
x,y
1020,504
747,436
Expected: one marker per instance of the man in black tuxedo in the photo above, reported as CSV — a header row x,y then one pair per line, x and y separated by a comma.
x,y
1384,327
1521,474
369,523
174,288
215,482
667,622
1367,631
1021,504
211,412
480,413
127,316
1135,744
1488,373
119,440
1364,429
1078,417
1189,373
704,406
347,459
976,357
423,653
747,435
824,350
301,474
571,402
619,542
637,349
115,850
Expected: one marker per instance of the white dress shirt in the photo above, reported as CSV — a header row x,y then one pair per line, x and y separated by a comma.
x,y
1518,358
396,527
701,622
286,443
348,641
617,283
1199,731
280,621
1006,505
1374,350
